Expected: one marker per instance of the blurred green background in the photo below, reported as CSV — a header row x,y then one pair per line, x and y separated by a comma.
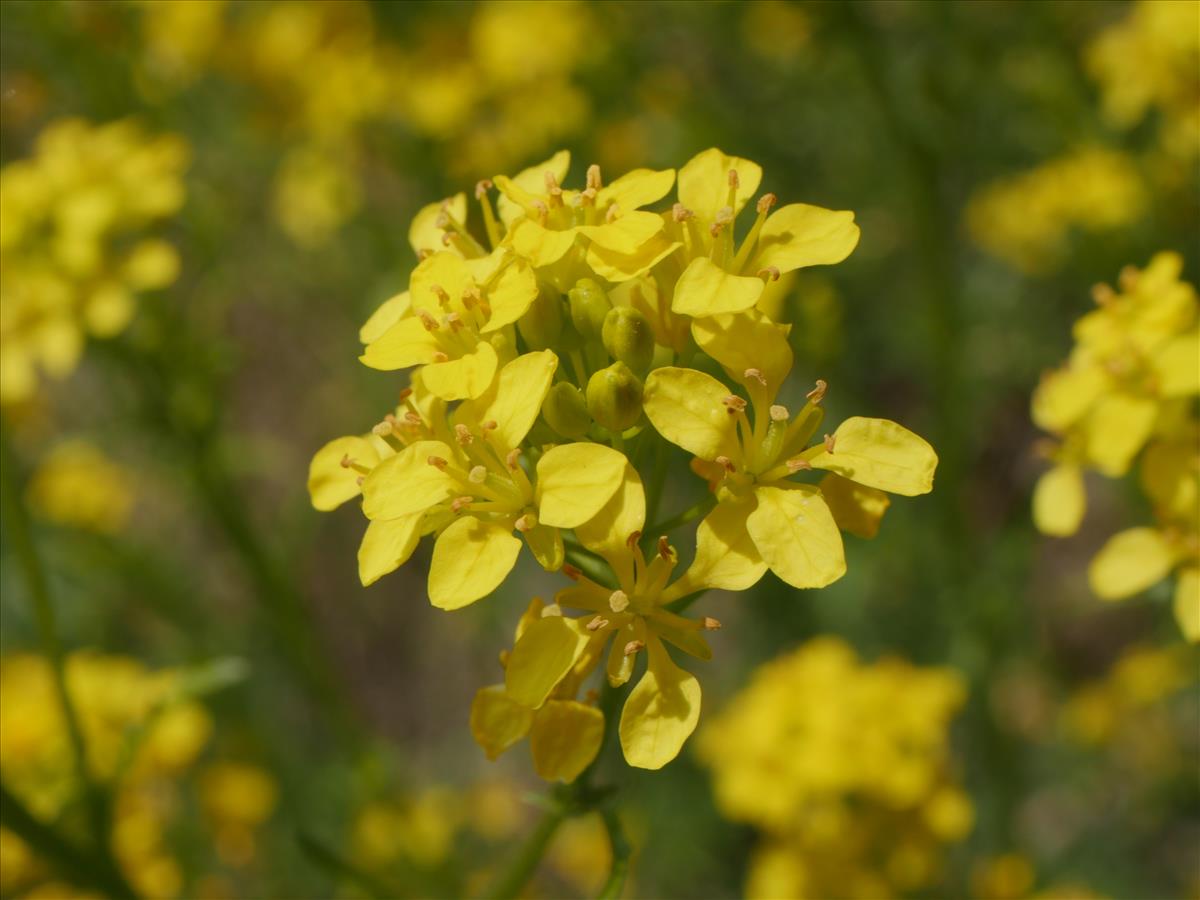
x,y
999,165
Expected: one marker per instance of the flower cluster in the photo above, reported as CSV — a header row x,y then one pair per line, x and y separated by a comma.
x,y
1128,393
142,736
73,251
77,485
846,768
1027,219
556,351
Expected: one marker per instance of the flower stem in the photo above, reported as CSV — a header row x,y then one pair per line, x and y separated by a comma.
x,y
620,856
692,512
517,875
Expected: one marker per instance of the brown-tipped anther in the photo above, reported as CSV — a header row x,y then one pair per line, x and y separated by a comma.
x,y
734,181
439,357
756,375
726,463
463,434
613,213
438,463
504,655
618,601
489,425
482,187
347,462
471,297
733,403
411,418
817,394
453,320
798,464
525,523
477,475
1103,295
596,624
458,504
423,254
551,182
587,197
542,210
665,550
405,393
765,202
779,413
571,572
440,292
633,647
723,218
512,459
360,479
681,213
593,177
708,623
632,540
770,273
382,429
427,320
830,441
550,610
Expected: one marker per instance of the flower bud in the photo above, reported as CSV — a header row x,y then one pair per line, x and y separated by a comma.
x,y
542,323
589,306
565,410
628,338
614,397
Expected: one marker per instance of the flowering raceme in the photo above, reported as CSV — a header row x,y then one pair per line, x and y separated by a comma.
x,y
1128,393
556,346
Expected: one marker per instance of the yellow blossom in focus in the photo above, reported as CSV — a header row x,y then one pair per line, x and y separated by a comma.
x,y
75,484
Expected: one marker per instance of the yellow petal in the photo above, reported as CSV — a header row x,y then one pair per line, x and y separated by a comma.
x,y
471,559
705,289
407,483
388,314
881,454
541,246
682,633
468,376
726,557
704,182
1130,562
544,654
796,535
1177,365
514,400
1171,479
498,721
620,267
424,233
747,340
330,484
627,234
1117,428
799,235
1187,603
546,544
387,545
685,407
661,712
566,737
406,343
607,532
531,181
574,481
510,295
636,189
1059,501
1063,396
856,508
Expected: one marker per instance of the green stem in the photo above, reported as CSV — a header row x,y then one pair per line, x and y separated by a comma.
x,y
692,512
620,856
517,875
336,865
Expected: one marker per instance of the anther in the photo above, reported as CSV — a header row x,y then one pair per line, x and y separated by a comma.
x,y
437,462
614,211
489,425
453,320
440,292
405,393
665,550
798,464
770,273
427,320
708,623
543,211
681,213
587,197
734,181
412,418
443,219
632,540
525,523
463,434
423,254
633,647
618,601
551,182
593,177
382,429
360,479
726,462
830,440
550,610
817,394
347,462
779,413
733,403
765,202
477,475
513,460
471,296
482,187
571,572
757,375
596,624
458,504
439,357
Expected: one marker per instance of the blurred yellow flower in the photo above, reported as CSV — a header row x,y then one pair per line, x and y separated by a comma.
x,y
75,484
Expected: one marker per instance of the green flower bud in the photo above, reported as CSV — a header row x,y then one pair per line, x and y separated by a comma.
x,y
589,306
543,321
614,397
565,410
628,338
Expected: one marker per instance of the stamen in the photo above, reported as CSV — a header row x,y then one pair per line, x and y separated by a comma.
x,y
513,460
442,296
477,475
439,357
681,213
593,177
632,540
797,464
453,320
412,418
733,403
423,254
525,523
757,375
618,601
614,211
482,187
381,429
770,273
734,181
665,550
471,297
489,425
550,610
724,217
708,623
438,463
596,624
458,504
765,202
571,572
405,393
347,462
587,197
427,320
817,394
633,647
463,434
830,440
779,413
727,463
543,211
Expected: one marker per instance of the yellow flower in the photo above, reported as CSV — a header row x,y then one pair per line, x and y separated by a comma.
x,y
77,485
764,519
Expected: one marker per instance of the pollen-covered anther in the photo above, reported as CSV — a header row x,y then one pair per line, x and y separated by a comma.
x,y
424,253
613,213
587,197
551,182
438,463
489,425
440,292
571,572
596,624
756,375
830,441
382,429
633,647
551,610
405,393
525,523
817,394
733,404
439,357
665,550
477,475
347,461
618,601
463,434
798,464
471,297
482,187
708,623
427,320
726,463
765,202
411,418
513,460
779,413
593,177
734,181
681,213
542,210
632,540
458,504
770,273
454,320
723,218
